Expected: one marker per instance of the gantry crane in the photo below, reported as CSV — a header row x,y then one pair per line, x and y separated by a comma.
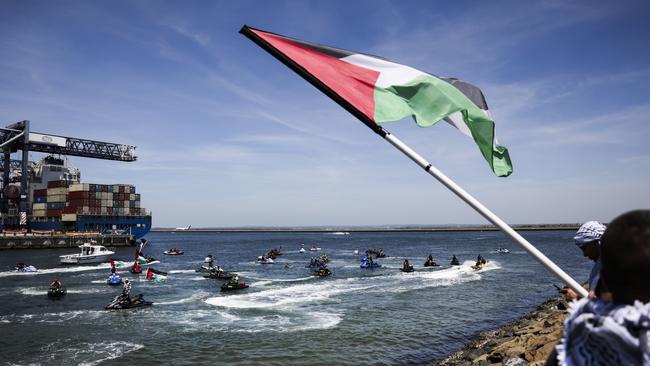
x,y
18,136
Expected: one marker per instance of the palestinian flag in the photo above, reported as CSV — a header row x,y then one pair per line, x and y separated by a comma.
x,y
376,90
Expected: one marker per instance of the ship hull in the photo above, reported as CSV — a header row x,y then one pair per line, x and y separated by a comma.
x,y
137,226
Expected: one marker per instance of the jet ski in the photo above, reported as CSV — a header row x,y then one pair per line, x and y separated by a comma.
x,y
365,263
22,267
480,265
205,269
114,280
264,260
56,292
232,286
125,302
302,250
455,261
407,269
173,251
322,272
431,264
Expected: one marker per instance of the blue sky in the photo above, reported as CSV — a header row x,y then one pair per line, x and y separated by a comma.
x,y
228,136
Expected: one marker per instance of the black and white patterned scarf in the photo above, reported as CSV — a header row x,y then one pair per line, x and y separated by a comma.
x,y
601,333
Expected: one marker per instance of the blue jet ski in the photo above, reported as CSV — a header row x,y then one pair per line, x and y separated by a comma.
x,y
114,280
365,263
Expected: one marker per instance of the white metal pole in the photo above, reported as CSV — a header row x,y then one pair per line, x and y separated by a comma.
x,y
485,212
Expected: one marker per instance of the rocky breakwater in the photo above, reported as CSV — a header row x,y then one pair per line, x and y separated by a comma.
x,y
527,341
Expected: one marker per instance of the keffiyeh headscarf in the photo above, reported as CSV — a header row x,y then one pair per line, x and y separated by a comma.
x,y
601,333
588,232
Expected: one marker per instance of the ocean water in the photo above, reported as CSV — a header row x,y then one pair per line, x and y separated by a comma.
x,y
286,317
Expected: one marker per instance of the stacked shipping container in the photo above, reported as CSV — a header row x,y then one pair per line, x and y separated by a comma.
x,y
65,201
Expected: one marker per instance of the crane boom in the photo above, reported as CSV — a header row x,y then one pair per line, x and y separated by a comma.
x,y
18,136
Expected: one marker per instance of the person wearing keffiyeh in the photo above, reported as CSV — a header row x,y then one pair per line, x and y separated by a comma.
x,y
588,240
618,332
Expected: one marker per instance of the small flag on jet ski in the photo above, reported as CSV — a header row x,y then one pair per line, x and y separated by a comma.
x,y
376,90
143,243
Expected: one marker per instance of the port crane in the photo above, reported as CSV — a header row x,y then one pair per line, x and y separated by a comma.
x,y
18,136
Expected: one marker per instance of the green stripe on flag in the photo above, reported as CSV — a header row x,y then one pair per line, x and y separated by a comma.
x,y
428,100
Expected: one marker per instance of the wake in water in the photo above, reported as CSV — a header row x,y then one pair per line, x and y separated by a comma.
x,y
57,270
196,297
60,317
300,304
84,353
41,291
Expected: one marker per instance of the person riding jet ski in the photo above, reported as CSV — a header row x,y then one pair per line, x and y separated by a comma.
x,y
124,300
234,284
480,260
455,261
208,261
367,262
322,272
126,289
112,263
407,267
56,289
430,262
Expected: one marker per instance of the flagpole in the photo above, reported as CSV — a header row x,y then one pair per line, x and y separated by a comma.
x,y
485,212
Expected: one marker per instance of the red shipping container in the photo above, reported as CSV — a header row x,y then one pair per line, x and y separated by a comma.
x,y
54,213
78,195
40,192
79,203
57,183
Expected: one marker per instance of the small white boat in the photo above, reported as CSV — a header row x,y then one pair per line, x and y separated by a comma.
x,y
503,251
302,250
314,248
356,251
90,253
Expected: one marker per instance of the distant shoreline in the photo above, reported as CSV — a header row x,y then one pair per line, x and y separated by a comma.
x,y
343,230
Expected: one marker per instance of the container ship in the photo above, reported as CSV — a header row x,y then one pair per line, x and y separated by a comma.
x,y
60,202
